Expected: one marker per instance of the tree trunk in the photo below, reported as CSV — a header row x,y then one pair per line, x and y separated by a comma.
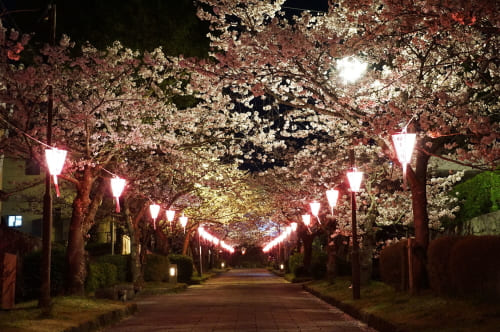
x,y
307,240
135,235
418,181
75,254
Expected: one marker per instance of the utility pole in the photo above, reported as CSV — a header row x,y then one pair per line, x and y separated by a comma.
x,y
45,299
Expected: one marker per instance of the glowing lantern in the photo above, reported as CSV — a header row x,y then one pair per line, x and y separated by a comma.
x,y
117,186
288,230
332,195
294,226
315,206
306,219
184,220
170,216
55,162
354,176
404,144
154,209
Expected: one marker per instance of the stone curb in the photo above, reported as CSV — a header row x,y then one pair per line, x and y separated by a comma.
x,y
371,320
105,319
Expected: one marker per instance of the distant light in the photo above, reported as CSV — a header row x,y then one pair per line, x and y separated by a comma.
x,y
154,209
294,226
306,219
350,69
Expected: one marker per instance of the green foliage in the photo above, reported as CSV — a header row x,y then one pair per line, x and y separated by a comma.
x,y
438,259
31,273
295,260
184,267
477,196
475,266
122,263
98,249
394,265
156,268
100,275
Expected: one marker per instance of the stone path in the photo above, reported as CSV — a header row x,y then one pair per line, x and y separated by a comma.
x,y
240,300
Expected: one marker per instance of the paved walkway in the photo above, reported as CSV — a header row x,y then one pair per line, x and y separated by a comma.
x,y
239,300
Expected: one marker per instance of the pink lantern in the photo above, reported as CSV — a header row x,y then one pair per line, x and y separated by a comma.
x,y
354,176
183,220
332,195
306,219
117,186
404,144
294,226
170,216
55,161
154,209
315,206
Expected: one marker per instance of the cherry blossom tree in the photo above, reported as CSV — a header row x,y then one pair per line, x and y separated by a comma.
x,y
432,69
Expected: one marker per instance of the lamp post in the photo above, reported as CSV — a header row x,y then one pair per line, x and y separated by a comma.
x,y
354,176
183,220
117,186
44,299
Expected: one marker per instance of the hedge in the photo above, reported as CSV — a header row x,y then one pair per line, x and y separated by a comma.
x,y
394,265
122,263
184,267
156,268
475,266
100,275
31,273
438,268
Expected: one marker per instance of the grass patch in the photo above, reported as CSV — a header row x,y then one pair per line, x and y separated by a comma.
x,y
423,313
67,312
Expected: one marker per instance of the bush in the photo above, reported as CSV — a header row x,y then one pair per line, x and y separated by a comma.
x,y
31,273
301,271
294,261
475,266
184,267
156,268
122,263
438,269
100,275
318,265
394,265
98,249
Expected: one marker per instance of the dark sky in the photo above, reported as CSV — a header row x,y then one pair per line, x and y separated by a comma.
x,y
321,5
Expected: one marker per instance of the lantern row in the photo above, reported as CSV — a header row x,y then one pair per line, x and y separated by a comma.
x,y
154,210
216,241
280,238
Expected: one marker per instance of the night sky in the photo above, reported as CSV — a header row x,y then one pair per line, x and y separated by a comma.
x,y
321,5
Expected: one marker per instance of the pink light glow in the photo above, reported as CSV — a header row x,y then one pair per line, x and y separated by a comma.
x,y
306,219
154,209
404,144
355,178
117,186
55,162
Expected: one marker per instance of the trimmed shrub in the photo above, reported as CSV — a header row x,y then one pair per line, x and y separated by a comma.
x,y
394,265
475,266
100,275
438,269
96,249
156,268
184,267
122,263
31,273
294,261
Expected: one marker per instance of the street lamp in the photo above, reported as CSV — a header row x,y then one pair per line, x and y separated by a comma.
x,y
117,186
332,195
350,69
354,176
183,220
170,216
404,144
306,219
55,162
154,209
315,206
